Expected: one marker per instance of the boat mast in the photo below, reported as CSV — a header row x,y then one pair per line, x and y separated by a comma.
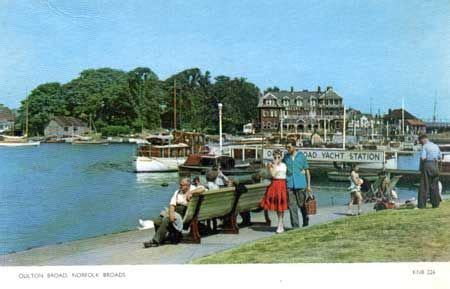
x,y
174,104
343,130
26,117
403,116
434,108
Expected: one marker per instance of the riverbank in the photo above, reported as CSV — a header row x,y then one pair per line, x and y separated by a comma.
x,y
126,248
386,236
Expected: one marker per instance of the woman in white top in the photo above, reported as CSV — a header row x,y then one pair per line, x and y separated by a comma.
x,y
276,198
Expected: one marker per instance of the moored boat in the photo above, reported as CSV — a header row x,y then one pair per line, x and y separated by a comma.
x,y
17,141
344,176
202,163
160,158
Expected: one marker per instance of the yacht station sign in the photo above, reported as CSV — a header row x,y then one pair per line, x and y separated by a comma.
x,y
327,155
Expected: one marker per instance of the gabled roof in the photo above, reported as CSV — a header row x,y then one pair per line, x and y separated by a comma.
x,y
396,114
304,95
414,122
68,121
6,114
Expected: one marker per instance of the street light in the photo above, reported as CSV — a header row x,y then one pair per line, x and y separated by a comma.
x,y
220,127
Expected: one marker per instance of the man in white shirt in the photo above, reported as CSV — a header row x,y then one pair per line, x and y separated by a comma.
x,y
173,219
429,168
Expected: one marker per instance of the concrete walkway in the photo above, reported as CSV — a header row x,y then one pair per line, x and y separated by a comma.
x,y
127,249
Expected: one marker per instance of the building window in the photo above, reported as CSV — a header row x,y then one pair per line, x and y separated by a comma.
x,y
66,128
299,101
286,102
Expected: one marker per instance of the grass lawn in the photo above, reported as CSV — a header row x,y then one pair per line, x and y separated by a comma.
x,y
386,236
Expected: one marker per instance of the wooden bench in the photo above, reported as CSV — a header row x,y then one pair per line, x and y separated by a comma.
x,y
223,203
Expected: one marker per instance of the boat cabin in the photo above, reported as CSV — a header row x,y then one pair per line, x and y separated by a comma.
x,y
164,151
210,161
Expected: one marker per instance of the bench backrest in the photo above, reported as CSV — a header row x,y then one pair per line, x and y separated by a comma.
x,y
190,211
252,198
219,202
216,203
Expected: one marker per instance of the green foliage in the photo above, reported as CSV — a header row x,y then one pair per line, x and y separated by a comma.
x,y
139,100
44,101
115,130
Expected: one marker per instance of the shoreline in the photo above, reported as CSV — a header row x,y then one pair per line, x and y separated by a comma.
x,y
126,248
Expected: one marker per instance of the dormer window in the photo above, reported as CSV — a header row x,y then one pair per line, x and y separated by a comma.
x,y
285,101
299,101
312,101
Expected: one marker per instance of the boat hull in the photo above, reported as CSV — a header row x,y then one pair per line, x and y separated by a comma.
x,y
150,165
19,144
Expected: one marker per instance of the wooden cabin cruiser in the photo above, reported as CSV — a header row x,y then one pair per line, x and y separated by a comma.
x,y
160,158
201,163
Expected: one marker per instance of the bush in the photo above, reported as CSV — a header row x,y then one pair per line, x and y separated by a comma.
x,y
115,130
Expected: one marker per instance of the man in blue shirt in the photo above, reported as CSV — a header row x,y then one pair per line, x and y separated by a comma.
x,y
429,182
298,182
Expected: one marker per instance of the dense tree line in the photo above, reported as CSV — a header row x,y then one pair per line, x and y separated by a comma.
x,y
119,101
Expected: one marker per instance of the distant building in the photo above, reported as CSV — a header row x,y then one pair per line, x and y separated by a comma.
x,y
65,126
6,119
412,124
301,111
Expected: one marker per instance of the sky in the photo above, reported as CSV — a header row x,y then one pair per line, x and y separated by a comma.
x,y
377,51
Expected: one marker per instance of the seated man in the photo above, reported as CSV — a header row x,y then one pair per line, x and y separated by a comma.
x,y
172,221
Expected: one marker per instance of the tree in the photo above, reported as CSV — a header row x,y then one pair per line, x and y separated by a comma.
x,y
193,93
93,93
45,101
239,99
146,95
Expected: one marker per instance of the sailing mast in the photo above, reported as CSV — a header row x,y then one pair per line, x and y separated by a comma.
x,y
343,130
26,118
174,104
403,116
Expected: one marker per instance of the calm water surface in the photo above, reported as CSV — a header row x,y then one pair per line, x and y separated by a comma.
x,y
61,192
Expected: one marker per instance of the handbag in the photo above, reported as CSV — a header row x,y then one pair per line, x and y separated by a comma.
x,y
311,205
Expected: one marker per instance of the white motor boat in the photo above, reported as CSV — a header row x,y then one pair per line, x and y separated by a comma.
x,y
160,158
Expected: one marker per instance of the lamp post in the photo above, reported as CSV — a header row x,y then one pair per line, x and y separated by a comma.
x,y
220,128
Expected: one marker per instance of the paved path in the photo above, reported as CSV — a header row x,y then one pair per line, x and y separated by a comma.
x,y
126,248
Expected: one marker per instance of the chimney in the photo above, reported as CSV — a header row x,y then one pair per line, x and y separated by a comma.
x,y
329,88
292,89
318,89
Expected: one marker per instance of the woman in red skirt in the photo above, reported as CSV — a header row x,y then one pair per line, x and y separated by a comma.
x,y
276,198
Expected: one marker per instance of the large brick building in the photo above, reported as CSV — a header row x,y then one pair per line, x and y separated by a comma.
x,y
301,111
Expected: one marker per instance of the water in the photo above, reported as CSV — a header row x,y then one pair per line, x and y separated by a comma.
x,y
60,192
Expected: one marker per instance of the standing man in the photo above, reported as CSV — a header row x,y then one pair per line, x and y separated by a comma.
x,y
298,183
429,182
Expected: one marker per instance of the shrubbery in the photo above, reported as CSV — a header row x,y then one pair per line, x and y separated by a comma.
x,y
115,130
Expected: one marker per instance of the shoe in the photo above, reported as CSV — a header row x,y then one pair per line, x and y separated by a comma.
x,y
150,244
280,230
359,212
350,213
